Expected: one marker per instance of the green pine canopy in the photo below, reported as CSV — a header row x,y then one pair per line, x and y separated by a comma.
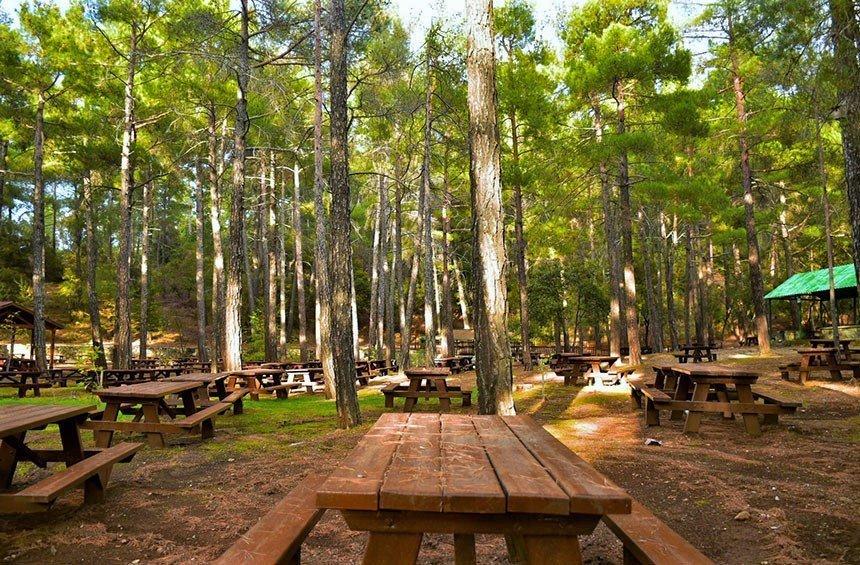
x,y
815,284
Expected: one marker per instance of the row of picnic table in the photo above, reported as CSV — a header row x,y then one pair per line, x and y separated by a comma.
x,y
598,370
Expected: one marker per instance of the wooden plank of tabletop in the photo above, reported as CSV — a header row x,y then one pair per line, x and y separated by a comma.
x,y
590,492
413,480
147,390
15,419
355,483
469,483
528,485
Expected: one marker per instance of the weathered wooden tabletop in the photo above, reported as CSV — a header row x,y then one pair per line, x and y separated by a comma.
x,y
148,390
20,418
207,378
473,464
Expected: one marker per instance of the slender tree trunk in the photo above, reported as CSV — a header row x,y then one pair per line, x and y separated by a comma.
x,y
372,322
426,205
446,316
655,324
845,36
282,271
233,292
340,230
218,289
89,205
145,220
756,282
828,234
789,259
406,332
461,295
703,333
382,293
397,261
626,223
122,334
38,248
301,304
520,255
4,151
689,287
200,284
272,264
493,352
671,242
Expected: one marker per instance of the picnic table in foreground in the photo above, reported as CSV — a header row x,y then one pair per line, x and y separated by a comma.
x,y
148,403
426,382
702,388
413,474
86,468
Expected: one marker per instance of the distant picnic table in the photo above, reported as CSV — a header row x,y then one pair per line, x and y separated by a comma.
x,y
113,377
820,359
844,345
456,363
426,382
205,381
87,468
698,353
699,389
413,474
593,367
148,403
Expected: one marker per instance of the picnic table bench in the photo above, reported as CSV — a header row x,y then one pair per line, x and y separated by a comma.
x,y
819,359
426,382
149,402
413,474
268,379
696,352
209,383
710,394
87,468
24,381
844,344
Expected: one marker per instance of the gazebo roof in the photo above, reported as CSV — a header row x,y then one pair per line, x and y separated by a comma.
x,y
816,284
17,315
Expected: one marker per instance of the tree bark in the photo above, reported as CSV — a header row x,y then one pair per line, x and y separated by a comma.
x,y
461,294
272,264
845,36
282,270
756,282
397,261
689,287
233,292
322,271
340,254
426,212
655,323
382,311
373,318
626,223
493,352
446,315
4,151
828,235
301,304
520,254
406,331
122,334
200,284
92,263
671,242
215,167
785,239
38,247
145,219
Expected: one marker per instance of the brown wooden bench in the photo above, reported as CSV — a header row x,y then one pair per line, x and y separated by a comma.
x,y
204,418
786,406
654,400
277,537
649,541
281,390
92,472
235,398
392,390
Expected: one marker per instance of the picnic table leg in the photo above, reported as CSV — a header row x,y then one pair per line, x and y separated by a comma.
x,y
150,414
745,396
681,392
442,387
723,396
412,398
73,449
833,365
104,437
9,460
392,549
464,549
700,394
803,372
552,550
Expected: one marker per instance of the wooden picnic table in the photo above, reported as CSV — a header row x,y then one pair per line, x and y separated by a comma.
x,y
705,378
413,474
89,468
426,382
149,402
697,352
255,381
844,345
820,358
205,381
113,377
23,381
144,363
456,363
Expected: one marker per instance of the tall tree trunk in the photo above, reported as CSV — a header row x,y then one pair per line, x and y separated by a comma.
x,y
322,271
301,304
703,325
609,228
655,323
493,352
4,151
785,239
38,248
670,243
426,205
89,205
340,254
282,270
122,334
520,244
446,314
382,293
200,284
626,223
406,331
828,234
397,262
373,318
145,219
756,282
845,36
272,264
461,295
233,292
215,167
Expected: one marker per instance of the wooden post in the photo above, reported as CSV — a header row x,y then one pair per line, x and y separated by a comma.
x,y
11,349
53,346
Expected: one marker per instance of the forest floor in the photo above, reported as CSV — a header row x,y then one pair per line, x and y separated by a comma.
x,y
189,502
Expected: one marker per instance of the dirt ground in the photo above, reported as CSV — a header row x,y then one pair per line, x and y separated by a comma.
x,y
189,502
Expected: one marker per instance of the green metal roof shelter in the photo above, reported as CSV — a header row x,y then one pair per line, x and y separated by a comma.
x,y
815,285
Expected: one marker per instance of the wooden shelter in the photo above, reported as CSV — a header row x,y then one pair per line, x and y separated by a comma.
x,y
14,316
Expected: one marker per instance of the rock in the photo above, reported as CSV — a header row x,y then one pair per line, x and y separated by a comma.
x,y
743,516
